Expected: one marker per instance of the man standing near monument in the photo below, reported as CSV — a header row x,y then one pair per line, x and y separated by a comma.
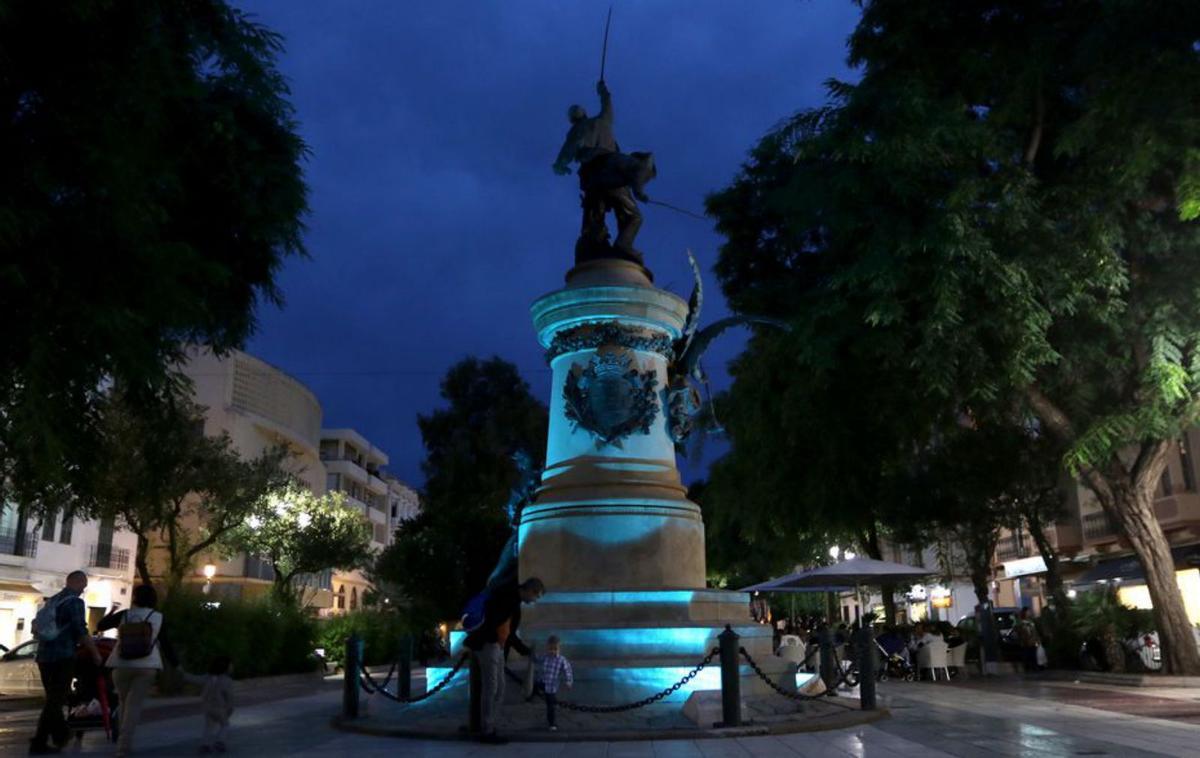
x,y
490,641
609,179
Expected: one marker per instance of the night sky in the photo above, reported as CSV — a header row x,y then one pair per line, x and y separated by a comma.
x,y
436,219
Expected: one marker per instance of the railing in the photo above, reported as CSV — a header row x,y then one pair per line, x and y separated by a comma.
x,y
106,556
1098,526
1010,547
27,548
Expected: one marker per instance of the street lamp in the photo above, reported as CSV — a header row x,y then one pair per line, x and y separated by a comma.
x,y
833,552
210,570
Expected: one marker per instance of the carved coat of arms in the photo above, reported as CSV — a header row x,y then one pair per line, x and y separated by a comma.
x,y
611,398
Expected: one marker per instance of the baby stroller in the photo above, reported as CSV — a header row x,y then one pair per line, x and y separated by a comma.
x,y
92,702
895,666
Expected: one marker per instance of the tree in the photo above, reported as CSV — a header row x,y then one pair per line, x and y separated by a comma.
x,y
1011,192
164,478
299,532
820,454
446,553
151,190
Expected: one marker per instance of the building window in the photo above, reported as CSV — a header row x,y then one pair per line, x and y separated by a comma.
x,y
333,482
341,598
49,522
1165,486
353,598
1185,463
68,525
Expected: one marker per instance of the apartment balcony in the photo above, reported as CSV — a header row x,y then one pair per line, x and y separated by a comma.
x,y
106,556
10,545
1098,528
1065,537
1008,548
1178,510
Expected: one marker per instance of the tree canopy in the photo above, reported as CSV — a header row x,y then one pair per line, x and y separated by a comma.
x,y
299,532
1002,214
167,482
444,555
151,190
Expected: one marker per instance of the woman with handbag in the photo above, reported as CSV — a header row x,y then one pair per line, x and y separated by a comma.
x,y
136,659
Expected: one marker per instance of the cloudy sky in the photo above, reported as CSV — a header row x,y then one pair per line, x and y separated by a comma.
x,y
436,219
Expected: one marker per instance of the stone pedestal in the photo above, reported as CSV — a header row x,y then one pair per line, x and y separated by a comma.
x,y
612,533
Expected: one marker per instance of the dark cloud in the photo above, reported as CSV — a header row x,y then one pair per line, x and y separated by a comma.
x,y
435,217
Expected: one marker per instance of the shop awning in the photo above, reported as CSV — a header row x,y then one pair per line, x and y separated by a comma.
x,y
1127,568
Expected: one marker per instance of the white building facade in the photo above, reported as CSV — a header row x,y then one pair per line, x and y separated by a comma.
x,y
37,555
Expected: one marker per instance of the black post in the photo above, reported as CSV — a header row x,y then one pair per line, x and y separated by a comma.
x,y
731,681
829,672
475,724
865,644
404,668
350,667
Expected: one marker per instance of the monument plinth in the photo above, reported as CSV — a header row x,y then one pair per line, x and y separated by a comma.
x,y
611,531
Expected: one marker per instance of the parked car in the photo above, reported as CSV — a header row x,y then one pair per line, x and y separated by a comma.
x,y
1006,624
19,672
1142,652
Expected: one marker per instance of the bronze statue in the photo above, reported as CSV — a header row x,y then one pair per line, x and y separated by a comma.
x,y
609,180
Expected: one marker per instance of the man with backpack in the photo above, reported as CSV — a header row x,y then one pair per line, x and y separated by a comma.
x,y
59,626
490,637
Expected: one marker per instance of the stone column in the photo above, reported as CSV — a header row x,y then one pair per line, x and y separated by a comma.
x,y
611,511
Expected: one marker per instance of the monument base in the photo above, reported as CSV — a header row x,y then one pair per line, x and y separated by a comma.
x,y
625,645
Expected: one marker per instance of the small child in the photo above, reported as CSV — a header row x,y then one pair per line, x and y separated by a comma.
x,y
216,695
554,666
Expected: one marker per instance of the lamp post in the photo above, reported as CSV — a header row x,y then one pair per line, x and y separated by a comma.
x,y
210,570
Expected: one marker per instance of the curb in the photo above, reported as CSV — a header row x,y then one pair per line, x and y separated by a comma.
x,y
850,718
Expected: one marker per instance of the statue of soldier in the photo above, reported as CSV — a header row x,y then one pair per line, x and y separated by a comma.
x,y
609,180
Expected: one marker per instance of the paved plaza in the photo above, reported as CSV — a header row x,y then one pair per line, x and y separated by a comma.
x,y
1007,717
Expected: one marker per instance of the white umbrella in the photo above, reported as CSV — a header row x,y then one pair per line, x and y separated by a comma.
x,y
856,571
848,574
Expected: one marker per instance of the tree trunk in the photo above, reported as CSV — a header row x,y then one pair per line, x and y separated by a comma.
x,y
1133,510
140,560
887,591
1054,583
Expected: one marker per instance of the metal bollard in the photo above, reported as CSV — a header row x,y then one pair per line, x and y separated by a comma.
x,y
829,672
865,645
404,668
350,666
475,720
731,681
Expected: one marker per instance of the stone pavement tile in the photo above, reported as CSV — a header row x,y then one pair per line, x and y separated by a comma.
x,y
766,746
585,749
721,749
807,746
630,750
676,749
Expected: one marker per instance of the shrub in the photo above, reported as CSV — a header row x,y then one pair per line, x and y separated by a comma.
x,y
262,637
380,631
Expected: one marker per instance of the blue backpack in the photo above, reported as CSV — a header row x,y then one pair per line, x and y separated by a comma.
x,y
473,614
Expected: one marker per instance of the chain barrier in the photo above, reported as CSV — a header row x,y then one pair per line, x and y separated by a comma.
x,y
583,708
371,686
847,676
794,695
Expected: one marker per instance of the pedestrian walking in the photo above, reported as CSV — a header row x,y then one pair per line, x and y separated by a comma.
x,y
555,669
216,697
491,639
59,627
136,659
